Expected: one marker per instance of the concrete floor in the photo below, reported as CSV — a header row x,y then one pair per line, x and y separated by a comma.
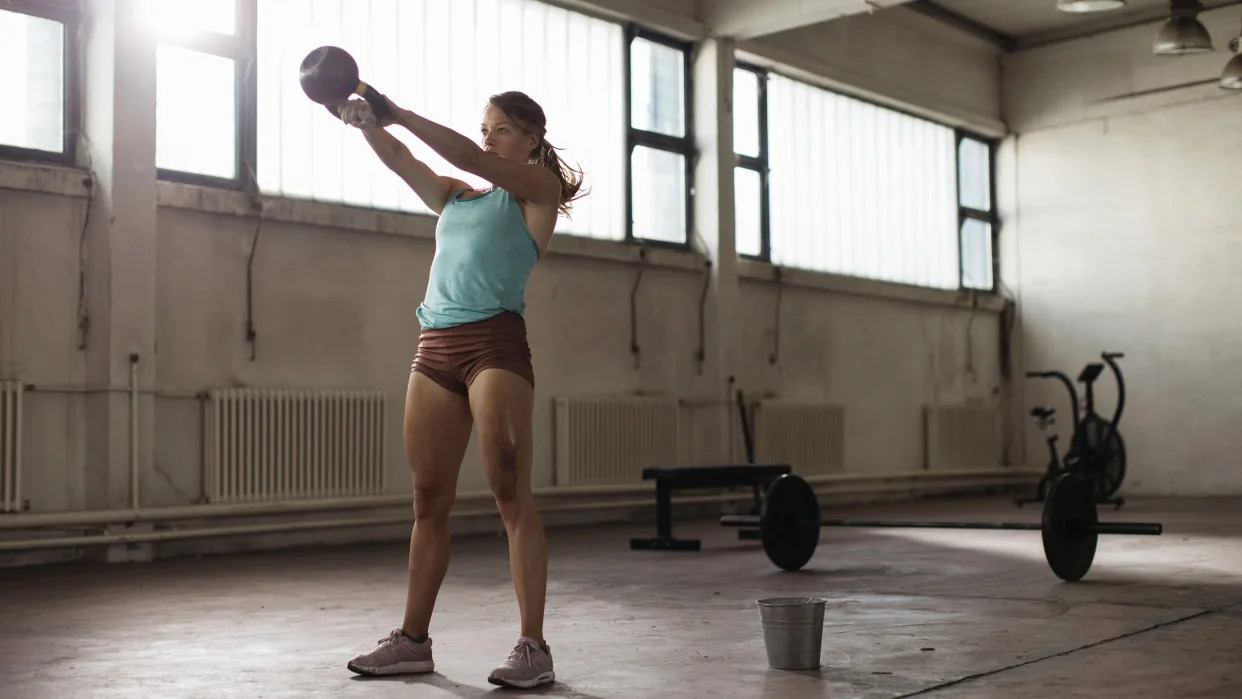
x,y
910,612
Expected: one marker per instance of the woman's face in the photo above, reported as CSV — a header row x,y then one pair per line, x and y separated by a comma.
x,y
500,135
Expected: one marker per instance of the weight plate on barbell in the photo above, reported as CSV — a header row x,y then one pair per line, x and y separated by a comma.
x,y
789,524
1068,509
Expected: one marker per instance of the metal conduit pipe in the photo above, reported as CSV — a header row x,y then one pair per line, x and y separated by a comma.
x,y
976,478
285,527
176,513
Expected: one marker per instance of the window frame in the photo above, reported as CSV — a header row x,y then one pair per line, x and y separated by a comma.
x,y
70,20
965,213
684,146
758,164
242,49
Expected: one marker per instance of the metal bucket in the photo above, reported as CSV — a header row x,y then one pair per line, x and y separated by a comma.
x,y
793,631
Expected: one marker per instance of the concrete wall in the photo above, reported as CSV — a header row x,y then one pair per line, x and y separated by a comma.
x,y
333,308
883,359
1125,168
335,290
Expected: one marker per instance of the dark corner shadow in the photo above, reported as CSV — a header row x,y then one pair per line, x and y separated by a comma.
x,y
439,681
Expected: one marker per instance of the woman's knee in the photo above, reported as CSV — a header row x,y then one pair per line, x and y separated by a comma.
x,y
432,501
501,458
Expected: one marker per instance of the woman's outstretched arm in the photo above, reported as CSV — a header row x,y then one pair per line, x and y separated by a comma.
x,y
433,189
529,181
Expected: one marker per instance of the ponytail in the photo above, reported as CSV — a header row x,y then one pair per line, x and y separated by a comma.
x,y
570,179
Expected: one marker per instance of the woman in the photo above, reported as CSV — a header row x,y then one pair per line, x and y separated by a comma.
x,y
472,367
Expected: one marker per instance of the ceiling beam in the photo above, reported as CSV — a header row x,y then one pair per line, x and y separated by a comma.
x,y
931,10
747,19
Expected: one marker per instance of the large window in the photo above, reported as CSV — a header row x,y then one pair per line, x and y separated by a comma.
x,y
201,61
661,140
38,120
230,110
442,60
863,190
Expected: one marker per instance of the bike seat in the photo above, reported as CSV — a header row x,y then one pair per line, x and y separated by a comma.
x,y
1091,372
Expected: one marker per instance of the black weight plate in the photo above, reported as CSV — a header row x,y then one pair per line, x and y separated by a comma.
x,y
1069,507
789,524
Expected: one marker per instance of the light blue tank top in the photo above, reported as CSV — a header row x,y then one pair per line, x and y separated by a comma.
x,y
484,255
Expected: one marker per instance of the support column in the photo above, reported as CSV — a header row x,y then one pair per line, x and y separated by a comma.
x,y
119,146
717,427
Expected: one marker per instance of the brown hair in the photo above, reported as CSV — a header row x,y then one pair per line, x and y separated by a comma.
x,y
530,117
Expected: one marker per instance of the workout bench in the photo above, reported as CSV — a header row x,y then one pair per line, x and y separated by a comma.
x,y
668,479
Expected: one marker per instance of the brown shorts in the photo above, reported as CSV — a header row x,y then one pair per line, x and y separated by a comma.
x,y
453,357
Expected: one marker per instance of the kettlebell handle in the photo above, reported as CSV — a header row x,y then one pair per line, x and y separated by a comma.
x,y
379,103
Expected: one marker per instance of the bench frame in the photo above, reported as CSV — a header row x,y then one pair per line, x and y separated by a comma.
x,y
669,479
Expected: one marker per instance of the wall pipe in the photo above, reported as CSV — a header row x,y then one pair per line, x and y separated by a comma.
x,y
285,527
974,478
133,431
405,518
189,512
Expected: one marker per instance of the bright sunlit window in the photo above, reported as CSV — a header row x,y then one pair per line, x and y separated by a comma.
x,y
660,140
750,174
861,190
196,107
442,60
195,119
658,88
178,20
976,213
858,189
32,51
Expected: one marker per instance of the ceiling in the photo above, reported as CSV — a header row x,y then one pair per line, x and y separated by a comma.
x,y
1021,23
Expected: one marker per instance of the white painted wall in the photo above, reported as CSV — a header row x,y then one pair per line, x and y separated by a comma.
x,y
1126,239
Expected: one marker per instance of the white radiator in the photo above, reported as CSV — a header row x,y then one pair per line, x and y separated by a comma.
x,y
610,439
963,437
292,444
808,436
11,446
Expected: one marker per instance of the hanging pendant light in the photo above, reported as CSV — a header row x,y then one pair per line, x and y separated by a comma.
x,y
1183,33
1087,6
1231,79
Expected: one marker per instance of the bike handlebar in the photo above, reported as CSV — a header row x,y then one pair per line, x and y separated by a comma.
x,y
1121,387
1065,381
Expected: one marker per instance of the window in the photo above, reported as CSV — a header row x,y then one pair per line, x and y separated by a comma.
x,y
38,121
571,64
750,176
867,191
976,215
660,142
202,51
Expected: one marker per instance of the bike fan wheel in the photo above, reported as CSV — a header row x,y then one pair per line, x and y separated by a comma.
x,y
1110,457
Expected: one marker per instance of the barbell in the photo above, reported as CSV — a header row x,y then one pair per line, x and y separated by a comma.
x,y
790,522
